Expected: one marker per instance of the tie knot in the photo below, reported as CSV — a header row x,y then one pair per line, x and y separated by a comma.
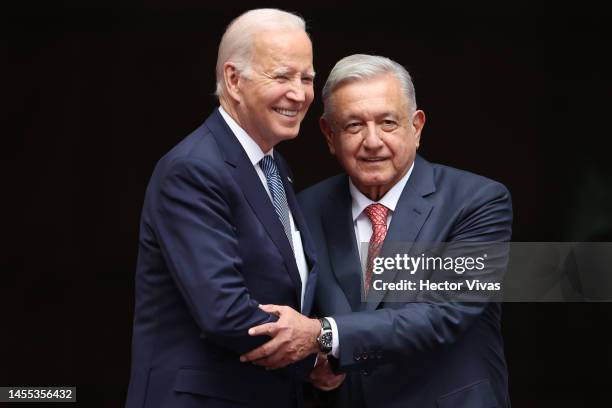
x,y
268,166
377,213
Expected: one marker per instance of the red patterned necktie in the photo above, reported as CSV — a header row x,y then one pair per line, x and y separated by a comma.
x,y
377,213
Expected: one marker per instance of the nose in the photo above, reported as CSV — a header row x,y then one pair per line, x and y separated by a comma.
x,y
371,139
297,92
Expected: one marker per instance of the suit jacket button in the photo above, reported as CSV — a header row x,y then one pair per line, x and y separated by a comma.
x,y
357,356
364,356
365,372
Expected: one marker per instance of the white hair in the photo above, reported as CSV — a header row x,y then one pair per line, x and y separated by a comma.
x,y
361,66
237,41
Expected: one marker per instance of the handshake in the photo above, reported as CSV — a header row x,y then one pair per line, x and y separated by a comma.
x,y
293,338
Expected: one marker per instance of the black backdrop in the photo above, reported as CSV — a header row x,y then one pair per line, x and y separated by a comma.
x,y
97,92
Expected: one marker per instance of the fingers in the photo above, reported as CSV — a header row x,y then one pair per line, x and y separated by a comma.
x,y
276,353
293,338
263,351
325,380
273,309
272,362
335,382
321,360
268,358
266,329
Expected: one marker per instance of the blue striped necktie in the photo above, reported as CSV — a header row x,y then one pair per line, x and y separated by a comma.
x,y
279,199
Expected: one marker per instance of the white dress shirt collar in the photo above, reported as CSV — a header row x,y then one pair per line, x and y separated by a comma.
x,y
251,148
389,200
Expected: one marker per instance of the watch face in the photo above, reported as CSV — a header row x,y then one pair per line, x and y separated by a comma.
x,y
326,340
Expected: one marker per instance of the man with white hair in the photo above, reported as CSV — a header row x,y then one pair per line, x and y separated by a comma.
x,y
221,233
396,352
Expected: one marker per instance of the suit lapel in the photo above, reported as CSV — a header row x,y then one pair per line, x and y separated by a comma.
x,y
245,175
297,214
410,214
342,247
301,227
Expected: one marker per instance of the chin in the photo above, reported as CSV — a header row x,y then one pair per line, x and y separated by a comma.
x,y
376,180
288,134
369,182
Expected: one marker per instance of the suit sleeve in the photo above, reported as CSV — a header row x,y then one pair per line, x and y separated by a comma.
x,y
199,243
376,337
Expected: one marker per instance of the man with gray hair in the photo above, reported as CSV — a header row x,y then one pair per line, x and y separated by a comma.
x,y
397,353
221,233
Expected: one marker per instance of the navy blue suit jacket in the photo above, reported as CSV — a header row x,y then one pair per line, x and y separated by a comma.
x,y
211,249
412,354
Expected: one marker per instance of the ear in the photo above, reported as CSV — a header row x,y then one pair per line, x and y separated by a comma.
x,y
329,134
231,78
418,121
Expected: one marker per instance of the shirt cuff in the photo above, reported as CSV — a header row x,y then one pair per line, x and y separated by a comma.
x,y
335,338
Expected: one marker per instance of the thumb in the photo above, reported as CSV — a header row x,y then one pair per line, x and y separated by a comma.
x,y
321,361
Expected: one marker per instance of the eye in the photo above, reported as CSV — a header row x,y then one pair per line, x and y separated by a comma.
x,y
307,80
353,127
389,125
282,77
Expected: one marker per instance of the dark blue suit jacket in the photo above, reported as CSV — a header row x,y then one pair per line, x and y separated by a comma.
x,y
211,249
412,354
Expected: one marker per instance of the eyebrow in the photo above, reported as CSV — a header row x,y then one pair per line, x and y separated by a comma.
x,y
281,71
379,116
288,71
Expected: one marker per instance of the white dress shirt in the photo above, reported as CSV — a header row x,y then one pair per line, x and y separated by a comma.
x,y
363,231
255,154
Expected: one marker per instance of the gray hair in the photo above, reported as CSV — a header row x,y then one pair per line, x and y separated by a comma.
x,y
361,66
237,41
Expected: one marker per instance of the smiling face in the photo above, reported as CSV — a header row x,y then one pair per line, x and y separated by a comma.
x,y
273,96
371,132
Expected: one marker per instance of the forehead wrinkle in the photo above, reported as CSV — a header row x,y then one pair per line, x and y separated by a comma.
x,y
369,108
280,67
268,52
361,109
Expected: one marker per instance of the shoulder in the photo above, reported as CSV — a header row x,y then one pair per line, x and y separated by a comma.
x,y
480,208
465,185
198,145
198,157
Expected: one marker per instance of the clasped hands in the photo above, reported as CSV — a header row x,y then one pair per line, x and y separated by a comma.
x,y
293,337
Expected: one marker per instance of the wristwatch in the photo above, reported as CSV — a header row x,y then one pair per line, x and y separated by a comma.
x,y
325,338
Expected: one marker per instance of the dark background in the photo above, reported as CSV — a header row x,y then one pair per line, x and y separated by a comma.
x,y
96,92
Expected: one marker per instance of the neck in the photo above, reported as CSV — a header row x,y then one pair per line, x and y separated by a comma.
x,y
232,110
375,193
